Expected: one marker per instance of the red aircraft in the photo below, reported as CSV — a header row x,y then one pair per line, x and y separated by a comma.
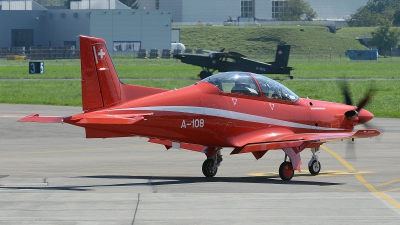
x,y
244,111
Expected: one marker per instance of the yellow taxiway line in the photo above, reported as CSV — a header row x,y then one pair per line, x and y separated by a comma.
x,y
362,180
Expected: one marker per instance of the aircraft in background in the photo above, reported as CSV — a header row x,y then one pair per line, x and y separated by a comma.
x,y
244,111
234,61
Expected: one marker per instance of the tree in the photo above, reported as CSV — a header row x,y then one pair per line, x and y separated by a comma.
x,y
363,18
296,10
396,20
373,12
385,37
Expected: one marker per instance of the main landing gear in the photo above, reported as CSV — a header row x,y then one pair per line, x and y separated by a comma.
x,y
286,170
210,165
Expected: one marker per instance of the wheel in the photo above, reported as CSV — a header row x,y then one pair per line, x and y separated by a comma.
x,y
286,171
314,167
291,77
209,170
204,74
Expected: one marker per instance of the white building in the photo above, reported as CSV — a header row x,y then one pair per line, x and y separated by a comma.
x,y
219,10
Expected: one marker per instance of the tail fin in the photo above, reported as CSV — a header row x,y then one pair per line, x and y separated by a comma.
x,y
282,56
101,86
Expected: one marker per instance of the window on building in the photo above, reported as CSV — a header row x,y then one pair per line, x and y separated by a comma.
x,y
70,43
126,46
157,4
277,9
247,9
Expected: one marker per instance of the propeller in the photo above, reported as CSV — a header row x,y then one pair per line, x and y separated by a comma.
x,y
364,101
350,152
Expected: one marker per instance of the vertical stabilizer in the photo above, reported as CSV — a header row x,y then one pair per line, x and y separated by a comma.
x,y
101,86
282,56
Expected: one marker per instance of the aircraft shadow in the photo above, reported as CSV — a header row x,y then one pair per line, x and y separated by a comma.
x,y
171,180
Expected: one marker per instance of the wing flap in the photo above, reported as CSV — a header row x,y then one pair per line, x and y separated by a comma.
x,y
266,146
169,144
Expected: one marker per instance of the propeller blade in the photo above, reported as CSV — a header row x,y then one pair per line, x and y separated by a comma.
x,y
364,101
346,93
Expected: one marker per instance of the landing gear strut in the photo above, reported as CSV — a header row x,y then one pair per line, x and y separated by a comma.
x,y
210,165
286,171
314,166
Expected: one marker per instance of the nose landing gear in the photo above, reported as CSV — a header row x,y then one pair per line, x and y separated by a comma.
x,y
210,165
314,166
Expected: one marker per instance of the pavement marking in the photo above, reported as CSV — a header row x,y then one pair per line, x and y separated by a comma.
x,y
390,190
343,189
362,180
389,182
323,173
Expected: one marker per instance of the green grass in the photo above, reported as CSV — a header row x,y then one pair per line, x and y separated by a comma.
x,y
385,96
260,42
384,68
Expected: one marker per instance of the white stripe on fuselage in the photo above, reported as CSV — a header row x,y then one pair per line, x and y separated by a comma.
x,y
227,114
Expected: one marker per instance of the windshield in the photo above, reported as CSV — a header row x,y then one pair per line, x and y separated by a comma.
x,y
274,89
244,84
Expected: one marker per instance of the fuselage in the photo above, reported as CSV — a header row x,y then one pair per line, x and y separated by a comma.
x,y
203,114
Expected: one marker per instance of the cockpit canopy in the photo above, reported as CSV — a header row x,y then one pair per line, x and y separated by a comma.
x,y
251,84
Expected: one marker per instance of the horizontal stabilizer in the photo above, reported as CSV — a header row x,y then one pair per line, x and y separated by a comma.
x,y
43,119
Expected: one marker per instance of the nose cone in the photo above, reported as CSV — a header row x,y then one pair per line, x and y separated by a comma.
x,y
364,116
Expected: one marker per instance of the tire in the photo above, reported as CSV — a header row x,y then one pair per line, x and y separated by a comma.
x,y
286,171
314,167
204,74
208,168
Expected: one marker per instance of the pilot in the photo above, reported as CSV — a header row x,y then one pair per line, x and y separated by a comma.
x,y
242,86
239,88
276,92
265,89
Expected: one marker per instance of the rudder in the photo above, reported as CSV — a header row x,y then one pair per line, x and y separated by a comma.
x,y
282,55
101,86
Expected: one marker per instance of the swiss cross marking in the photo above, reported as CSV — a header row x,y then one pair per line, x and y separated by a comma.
x,y
101,53
280,52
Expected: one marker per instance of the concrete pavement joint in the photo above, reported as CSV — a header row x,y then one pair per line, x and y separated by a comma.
x,y
137,206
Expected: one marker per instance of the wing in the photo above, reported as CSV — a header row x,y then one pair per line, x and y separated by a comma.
x,y
271,139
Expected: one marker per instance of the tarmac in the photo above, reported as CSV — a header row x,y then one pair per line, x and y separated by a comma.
x,y
51,174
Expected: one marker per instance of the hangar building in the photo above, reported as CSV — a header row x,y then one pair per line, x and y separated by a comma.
x,y
24,23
